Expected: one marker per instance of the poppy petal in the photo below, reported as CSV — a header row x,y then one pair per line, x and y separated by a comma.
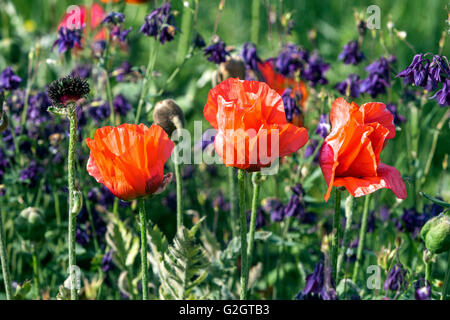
x,y
377,112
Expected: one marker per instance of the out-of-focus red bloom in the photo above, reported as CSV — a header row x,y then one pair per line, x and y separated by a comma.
x,y
247,116
350,155
129,159
279,83
94,15
127,1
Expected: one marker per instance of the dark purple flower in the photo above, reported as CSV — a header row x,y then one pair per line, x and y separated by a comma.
x,y
68,39
114,18
99,110
373,85
101,196
9,80
37,108
217,52
122,71
121,105
250,56
396,278
81,236
315,70
419,72
319,285
371,222
439,70
121,34
351,53
98,47
311,148
323,128
160,24
261,220
398,118
411,221
350,85
290,107
290,60
443,96
82,70
107,262
274,207
422,290
30,174
380,67
198,41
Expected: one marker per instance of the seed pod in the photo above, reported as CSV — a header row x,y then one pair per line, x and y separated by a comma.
x,y
436,234
168,115
232,68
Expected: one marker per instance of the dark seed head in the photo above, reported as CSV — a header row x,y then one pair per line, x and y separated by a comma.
x,y
67,89
168,115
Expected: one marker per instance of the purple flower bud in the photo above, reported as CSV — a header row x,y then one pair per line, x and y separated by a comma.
x,y
422,290
68,39
323,128
350,85
443,96
351,53
315,70
250,56
217,52
160,24
396,278
9,80
290,107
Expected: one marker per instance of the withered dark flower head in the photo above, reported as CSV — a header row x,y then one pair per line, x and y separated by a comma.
x,y
67,89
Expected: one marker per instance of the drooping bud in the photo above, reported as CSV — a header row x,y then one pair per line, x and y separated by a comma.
x,y
30,224
67,89
168,115
232,68
436,234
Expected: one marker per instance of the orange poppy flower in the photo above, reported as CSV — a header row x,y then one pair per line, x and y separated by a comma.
x,y
95,16
350,155
251,123
129,159
279,83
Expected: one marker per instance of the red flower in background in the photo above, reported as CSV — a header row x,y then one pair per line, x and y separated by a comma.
x,y
350,155
94,15
129,159
127,1
247,115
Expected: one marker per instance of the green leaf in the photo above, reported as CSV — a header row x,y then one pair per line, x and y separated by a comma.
x,y
435,200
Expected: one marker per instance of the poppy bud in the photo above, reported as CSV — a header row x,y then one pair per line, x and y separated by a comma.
x,y
30,224
232,68
67,90
168,115
436,234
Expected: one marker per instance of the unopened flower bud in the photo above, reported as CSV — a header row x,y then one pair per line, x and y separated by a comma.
x,y
168,115
436,234
31,224
67,90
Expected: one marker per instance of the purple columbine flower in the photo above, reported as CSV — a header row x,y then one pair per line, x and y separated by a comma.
x,y
418,72
422,290
121,105
290,60
396,278
274,207
323,128
37,111
114,18
290,106
373,85
250,56
107,262
81,235
123,71
443,96
315,70
9,80
30,174
412,221
102,196
118,33
160,24
398,118
350,85
439,70
217,52
68,39
316,287
351,53
100,111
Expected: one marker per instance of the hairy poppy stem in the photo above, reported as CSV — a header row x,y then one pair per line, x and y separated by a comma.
x,y
362,237
243,231
4,262
232,187
336,230
179,185
148,73
348,224
143,220
447,279
71,186
256,186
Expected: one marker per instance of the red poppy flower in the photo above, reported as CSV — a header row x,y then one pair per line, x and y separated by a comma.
x,y
279,83
350,155
248,115
129,159
94,15
127,1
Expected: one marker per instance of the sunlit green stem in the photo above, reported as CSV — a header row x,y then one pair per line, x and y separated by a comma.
x,y
362,237
243,231
4,262
143,223
336,229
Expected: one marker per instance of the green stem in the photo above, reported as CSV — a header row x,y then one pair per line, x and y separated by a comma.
x,y
110,99
336,230
186,26
143,220
4,262
243,231
148,73
233,213
179,186
71,186
362,237
256,186
255,21
36,273
348,224
447,280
